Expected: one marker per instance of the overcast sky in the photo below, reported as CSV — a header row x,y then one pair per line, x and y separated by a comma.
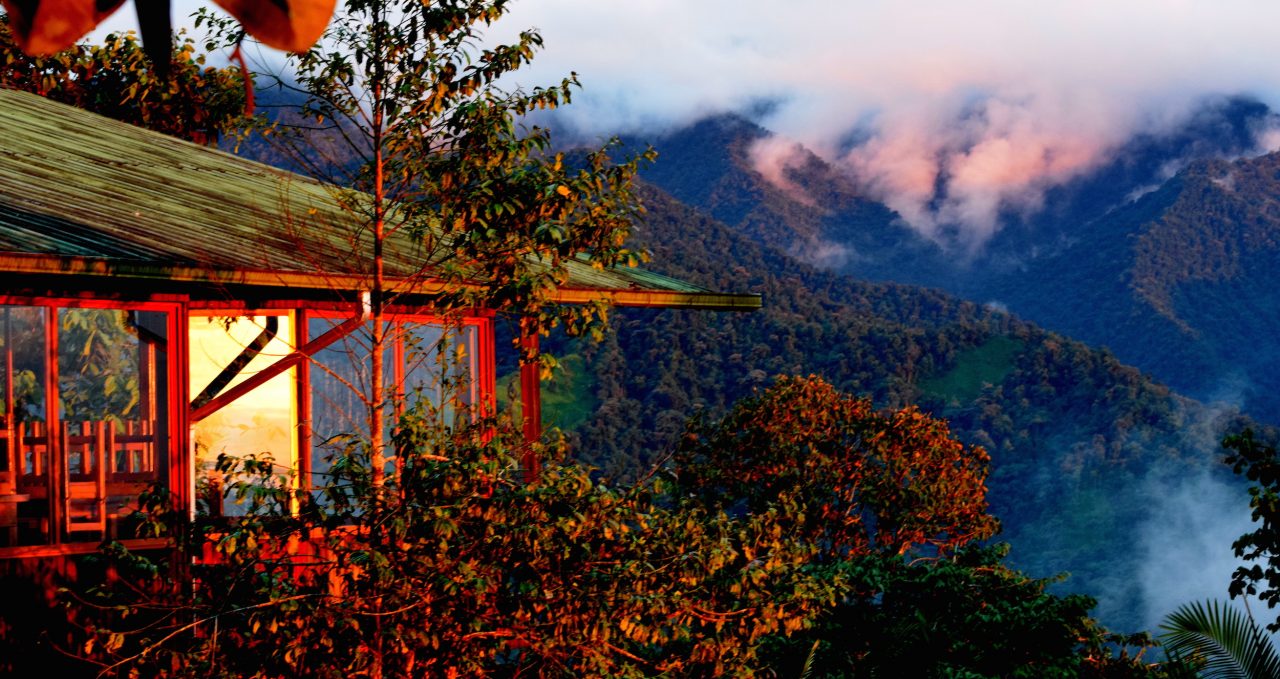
x,y
1004,96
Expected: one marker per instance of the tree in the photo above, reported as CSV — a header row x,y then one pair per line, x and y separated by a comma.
x,y
195,102
1260,464
1220,641
857,481
888,511
413,97
453,565
970,616
465,570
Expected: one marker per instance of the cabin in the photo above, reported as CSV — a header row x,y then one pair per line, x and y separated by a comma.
x,y
163,302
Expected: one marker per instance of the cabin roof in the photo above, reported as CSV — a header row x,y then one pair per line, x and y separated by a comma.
x,y
81,194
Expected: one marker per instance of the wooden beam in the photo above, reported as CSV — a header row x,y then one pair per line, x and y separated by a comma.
x,y
295,357
635,295
56,463
302,397
530,396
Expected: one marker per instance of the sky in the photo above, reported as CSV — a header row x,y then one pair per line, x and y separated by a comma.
x,y
999,99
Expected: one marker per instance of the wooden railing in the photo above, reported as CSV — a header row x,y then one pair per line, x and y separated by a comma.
x,y
104,466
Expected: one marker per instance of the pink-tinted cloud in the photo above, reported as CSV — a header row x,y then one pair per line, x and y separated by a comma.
x,y
962,166
775,157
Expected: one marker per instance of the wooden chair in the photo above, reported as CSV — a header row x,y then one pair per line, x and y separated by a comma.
x,y
30,443
134,452
8,459
85,446
105,468
132,464
31,440
9,496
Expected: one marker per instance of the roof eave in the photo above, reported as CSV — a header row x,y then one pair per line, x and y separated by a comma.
x,y
29,264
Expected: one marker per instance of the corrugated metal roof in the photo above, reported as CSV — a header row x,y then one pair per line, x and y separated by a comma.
x,y
83,194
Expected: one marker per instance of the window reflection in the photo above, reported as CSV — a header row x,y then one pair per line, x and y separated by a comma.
x,y
84,436
423,359
264,421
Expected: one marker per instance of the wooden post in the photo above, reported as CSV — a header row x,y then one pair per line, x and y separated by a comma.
x,y
13,458
530,395
56,464
302,393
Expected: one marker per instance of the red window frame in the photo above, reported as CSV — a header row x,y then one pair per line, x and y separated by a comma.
x,y
484,361
178,478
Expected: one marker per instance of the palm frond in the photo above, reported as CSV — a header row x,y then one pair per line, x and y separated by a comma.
x,y
1226,642
807,671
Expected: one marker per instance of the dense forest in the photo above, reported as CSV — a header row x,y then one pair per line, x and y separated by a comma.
x,y
1078,437
1077,441
1074,434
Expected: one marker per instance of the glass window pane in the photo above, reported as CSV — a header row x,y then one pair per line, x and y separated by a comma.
x,y
25,497
224,353
421,360
101,425
97,365
440,364
111,396
340,393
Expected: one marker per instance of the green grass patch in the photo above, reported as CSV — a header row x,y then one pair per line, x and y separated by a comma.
x,y
568,398
987,363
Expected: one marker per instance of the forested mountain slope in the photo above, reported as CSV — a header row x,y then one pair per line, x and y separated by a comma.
x,y
1164,253
1182,281
816,214
1085,449
1076,437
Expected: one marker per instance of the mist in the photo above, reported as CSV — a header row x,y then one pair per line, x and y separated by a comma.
x,y
1184,547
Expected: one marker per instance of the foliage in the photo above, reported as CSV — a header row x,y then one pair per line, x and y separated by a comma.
x,y
966,616
856,481
1095,264
567,396
98,364
1260,464
975,369
414,94
1220,641
115,79
457,568
1067,427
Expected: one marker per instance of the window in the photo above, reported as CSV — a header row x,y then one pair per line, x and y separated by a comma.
x,y
424,359
85,419
305,416
226,351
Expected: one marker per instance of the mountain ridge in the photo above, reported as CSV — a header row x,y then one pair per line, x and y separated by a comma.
x,y
1088,264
